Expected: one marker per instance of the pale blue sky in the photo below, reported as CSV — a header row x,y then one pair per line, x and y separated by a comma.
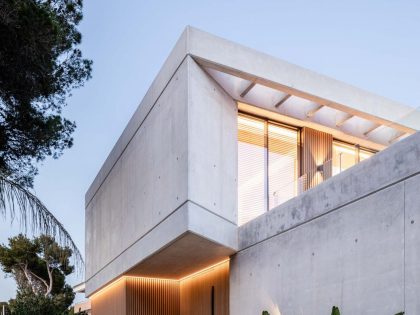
x,y
373,44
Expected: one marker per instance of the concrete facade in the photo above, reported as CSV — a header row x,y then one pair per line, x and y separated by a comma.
x,y
164,204
351,241
157,182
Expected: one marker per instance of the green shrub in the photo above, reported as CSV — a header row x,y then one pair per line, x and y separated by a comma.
x,y
37,304
335,311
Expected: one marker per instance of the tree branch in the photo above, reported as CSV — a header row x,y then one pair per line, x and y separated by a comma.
x,y
50,277
14,197
25,272
40,279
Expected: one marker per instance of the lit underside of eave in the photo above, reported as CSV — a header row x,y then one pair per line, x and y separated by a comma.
x,y
277,103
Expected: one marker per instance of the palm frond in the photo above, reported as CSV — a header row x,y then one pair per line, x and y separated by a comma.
x,y
18,202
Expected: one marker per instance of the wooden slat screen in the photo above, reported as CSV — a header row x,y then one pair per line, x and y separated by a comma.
x,y
199,294
316,151
138,296
196,292
152,296
111,300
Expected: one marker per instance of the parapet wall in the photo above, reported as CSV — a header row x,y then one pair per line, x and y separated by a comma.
x,y
352,241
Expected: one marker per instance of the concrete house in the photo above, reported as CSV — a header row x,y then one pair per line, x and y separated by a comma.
x,y
244,183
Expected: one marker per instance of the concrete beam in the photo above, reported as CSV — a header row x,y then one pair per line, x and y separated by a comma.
x,y
312,112
344,120
282,101
248,88
223,55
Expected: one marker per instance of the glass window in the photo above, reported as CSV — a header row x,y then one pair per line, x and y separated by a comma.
x,y
251,168
365,154
282,164
346,155
267,166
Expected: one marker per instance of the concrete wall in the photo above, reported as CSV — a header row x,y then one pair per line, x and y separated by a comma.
x,y
146,184
352,241
158,188
212,145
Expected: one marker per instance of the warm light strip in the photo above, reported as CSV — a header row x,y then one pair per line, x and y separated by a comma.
x,y
109,286
128,277
205,269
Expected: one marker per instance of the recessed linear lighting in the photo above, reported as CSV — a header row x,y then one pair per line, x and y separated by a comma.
x,y
116,281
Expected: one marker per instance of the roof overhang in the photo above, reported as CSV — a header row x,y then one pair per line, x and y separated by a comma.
x,y
261,80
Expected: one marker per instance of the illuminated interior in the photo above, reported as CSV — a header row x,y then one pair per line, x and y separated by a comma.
x,y
346,155
269,164
154,296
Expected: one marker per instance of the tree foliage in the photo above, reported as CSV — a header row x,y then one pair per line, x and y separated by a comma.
x,y
40,267
14,197
39,65
29,303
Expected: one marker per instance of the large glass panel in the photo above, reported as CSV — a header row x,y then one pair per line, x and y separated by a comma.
x,y
344,156
282,164
251,168
365,154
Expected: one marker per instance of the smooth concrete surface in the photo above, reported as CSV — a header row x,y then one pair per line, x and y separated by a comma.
x,y
159,84
169,263
412,245
148,182
210,239
212,145
154,194
394,164
352,241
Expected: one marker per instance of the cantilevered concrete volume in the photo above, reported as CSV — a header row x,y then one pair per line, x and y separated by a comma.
x,y
244,183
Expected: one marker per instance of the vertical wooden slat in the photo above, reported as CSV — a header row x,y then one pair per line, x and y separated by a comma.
x,y
316,151
196,292
138,296
146,296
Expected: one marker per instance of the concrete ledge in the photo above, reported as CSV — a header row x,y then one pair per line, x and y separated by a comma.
x,y
390,166
208,236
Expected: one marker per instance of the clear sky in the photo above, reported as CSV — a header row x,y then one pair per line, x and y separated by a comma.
x,y
373,44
